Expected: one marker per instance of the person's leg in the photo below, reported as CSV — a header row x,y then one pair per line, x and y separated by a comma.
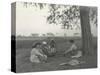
x,y
79,54
45,58
34,59
67,53
42,58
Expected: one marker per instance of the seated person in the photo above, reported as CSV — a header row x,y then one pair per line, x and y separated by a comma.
x,y
52,43
37,55
52,47
45,47
73,50
49,49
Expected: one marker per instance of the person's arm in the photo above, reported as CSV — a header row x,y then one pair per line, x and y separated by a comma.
x,y
38,53
73,47
32,52
68,51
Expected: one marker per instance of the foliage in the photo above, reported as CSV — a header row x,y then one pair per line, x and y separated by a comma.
x,y
65,15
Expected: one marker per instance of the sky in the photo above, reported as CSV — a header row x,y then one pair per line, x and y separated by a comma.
x,y
33,20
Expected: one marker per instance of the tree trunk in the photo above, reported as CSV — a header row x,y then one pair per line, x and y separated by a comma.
x,y
86,31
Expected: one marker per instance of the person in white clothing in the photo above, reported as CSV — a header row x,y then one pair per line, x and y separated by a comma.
x,y
37,55
73,50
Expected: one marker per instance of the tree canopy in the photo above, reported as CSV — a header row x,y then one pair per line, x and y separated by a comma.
x,y
68,16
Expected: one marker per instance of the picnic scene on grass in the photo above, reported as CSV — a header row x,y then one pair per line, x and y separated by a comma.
x,y
41,51
53,37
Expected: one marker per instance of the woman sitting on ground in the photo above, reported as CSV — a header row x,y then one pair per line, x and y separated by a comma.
x,y
73,50
37,55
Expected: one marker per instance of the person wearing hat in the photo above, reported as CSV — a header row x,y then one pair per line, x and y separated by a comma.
x,y
49,49
37,55
45,47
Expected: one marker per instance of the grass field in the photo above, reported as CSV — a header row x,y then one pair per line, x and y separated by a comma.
x,y
23,64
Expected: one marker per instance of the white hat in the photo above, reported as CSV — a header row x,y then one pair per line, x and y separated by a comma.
x,y
44,42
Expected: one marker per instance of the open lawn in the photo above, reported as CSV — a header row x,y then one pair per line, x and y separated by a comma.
x,y
23,63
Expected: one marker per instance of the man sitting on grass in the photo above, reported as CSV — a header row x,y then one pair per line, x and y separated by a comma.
x,y
73,50
49,48
52,46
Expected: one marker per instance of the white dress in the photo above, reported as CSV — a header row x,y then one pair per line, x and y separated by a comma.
x,y
35,53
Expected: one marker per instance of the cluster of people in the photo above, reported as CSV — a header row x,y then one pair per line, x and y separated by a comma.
x,y
41,51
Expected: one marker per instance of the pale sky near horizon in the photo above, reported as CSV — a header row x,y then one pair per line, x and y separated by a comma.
x,y
33,20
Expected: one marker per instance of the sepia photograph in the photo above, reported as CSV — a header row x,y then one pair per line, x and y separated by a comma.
x,y
52,37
